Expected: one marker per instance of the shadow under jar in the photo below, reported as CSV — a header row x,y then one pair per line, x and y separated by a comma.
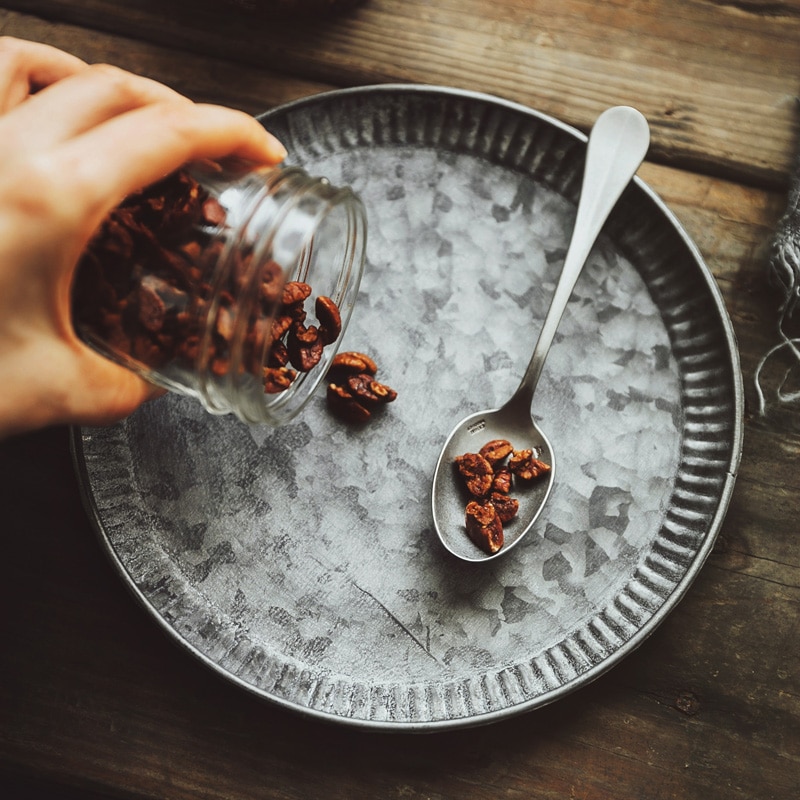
x,y
226,283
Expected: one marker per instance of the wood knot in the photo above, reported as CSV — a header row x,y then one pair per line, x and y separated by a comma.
x,y
688,703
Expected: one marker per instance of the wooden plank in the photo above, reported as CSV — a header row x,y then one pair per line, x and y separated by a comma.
x,y
718,81
200,77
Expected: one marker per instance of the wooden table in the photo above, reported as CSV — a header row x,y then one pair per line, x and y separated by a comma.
x,y
96,701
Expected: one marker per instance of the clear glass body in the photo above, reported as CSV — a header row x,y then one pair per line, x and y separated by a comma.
x,y
228,284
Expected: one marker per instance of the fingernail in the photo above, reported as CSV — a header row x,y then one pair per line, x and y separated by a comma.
x,y
278,150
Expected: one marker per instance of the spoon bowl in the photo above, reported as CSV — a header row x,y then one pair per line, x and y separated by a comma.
x,y
451,497
617,146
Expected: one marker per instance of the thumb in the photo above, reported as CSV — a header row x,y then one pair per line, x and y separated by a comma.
x,y
105,392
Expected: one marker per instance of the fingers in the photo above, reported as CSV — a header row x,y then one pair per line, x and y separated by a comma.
x,y
76,140
79,99
80,102
103,392
139,147
48,380
26,67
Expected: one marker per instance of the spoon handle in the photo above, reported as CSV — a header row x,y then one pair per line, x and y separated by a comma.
x,y
617,146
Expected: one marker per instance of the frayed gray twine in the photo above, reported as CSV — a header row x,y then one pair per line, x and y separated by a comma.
x,y
784,272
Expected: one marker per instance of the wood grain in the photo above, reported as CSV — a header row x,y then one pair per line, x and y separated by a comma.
x,y
717,81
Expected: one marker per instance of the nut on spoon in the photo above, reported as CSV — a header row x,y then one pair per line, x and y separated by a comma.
x,y
617,146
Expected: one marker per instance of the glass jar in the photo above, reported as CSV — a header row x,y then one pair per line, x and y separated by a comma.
x,y
226,283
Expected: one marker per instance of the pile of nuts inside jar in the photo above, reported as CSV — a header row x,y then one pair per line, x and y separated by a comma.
x,y
488,476
146,285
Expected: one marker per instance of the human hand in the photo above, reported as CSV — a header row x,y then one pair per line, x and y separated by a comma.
x,y
76,139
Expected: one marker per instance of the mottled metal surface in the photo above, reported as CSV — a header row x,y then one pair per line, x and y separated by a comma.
x,y
302,563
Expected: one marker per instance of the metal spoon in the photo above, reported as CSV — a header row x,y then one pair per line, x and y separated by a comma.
x,y
617,145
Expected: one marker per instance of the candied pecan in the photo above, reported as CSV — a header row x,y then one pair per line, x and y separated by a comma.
x,y
502,480
523,464
296,311
117,338
278,354
280,325
476,472
257,345
368,391
156,204
384,393
271,288
484,526
304,346
359,387
152,308
278,379
189,348
226,298
506,507
174,265
213,212
220,366
350,362
115,237
241,265
207,257
295,292
329,318
345,406
166,342
191,250
146,350
224,326
496,451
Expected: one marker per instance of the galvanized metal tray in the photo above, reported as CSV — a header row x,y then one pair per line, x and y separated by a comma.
x,y
301,563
